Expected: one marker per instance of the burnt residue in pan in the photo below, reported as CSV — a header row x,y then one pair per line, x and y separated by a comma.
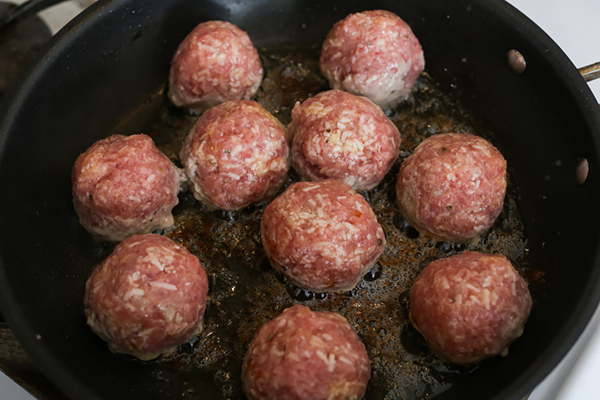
x,y
245,292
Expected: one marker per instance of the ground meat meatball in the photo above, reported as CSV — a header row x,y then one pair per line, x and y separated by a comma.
x,y
373,54
216,62
235,154
470,306
123,185
342,136
147,297
305,355
322,235
452,186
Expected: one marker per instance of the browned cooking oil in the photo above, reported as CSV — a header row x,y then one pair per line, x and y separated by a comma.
x,y
245,292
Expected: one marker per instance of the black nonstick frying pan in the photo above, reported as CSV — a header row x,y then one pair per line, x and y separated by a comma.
x,y
106,73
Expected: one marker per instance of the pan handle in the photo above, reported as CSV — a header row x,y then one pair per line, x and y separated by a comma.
x,y
590,72
25,10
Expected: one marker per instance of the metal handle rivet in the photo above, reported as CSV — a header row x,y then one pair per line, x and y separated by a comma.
x,y
516,61
581,173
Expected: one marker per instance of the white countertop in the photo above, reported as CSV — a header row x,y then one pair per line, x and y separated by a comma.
x,y
575,27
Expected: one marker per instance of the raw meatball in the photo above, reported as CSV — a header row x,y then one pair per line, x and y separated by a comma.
x,y
235,154
322,235
216,62
373,54
123,185
305,355
345,137
452,186
147,297
470,306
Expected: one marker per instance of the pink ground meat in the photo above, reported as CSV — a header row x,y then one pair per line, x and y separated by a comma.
x,y
342,136
373,54
123,185
235,154
322,235
470,306
147,297
216,62
305,355
452,186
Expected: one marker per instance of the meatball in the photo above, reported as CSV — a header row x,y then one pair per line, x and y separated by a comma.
x,y
235,154
306,355
373,54
322,235
470,306
123,185
342,136
452,186
216,62
147,297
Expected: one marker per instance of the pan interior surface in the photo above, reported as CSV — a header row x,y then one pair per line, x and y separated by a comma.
x,y
106,74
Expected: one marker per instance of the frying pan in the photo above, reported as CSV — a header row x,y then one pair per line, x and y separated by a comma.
x,y
103,74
